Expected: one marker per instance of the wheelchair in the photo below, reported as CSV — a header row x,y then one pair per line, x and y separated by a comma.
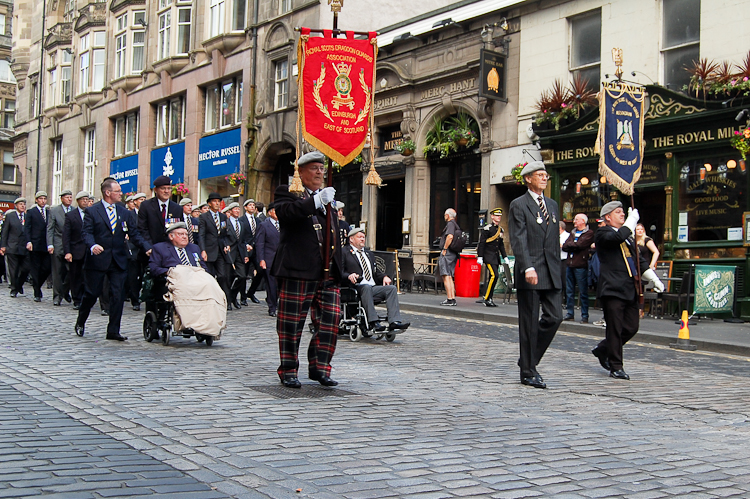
x,y
159,319
354,321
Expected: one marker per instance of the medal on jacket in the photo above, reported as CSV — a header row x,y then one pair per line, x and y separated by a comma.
x,y
553,219
538,218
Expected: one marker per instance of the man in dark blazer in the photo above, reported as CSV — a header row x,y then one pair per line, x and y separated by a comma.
x,y
74,246
191,222
171,253
155,214
617,289
237,255
301,269
55,224
13,246
361,272
36,243
212,240
250,224
267,242
105,227
535,240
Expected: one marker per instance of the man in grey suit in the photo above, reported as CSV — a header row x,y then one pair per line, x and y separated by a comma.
x,y
55,225
535,240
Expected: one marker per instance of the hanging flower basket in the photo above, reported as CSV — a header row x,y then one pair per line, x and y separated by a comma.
x,y
406,148
236,179
516,172
741,142
180,190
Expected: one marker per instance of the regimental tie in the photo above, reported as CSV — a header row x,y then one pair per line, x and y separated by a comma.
x,y
236,224
216,220
184,258
543,208
23,221
112,217
252,223
189,223
163,212
365,267
44,214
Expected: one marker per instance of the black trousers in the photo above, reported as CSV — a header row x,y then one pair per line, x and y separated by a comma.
x,y
133,287
60,278
40,269
218,269
535,334
622,319
249,267
75,273
3,274
237,278
93,283
18,271
492,270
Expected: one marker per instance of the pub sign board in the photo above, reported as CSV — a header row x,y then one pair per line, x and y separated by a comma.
x,y
491,75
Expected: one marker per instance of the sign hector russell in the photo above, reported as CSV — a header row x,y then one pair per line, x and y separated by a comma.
x,y
336,92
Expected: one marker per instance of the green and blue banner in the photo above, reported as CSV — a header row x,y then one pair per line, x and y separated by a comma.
x,y
620,141
714,289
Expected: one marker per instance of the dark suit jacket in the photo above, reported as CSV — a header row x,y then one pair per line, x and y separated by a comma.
x,y
249,235
614,279
72,237
299,255
97,230
164,257
267,242
237,248
579,251
150,224
14,235
352,265
211,240
535,244
36,228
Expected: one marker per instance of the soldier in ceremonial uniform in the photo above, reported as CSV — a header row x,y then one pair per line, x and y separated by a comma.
x,y
490,246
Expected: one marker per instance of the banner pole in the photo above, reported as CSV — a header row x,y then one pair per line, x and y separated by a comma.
x,y
638,282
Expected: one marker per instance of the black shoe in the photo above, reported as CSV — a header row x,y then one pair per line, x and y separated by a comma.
x,y
534,381
569,318
253,299
137,307
76,306
585,321
244,303
449,302
321,378
105,312
67,297
116,337
229,307
376,326
79,330
619,374
272,313
489,303
57,301
398,325
603,360
37,299
20,291
13,294
291,381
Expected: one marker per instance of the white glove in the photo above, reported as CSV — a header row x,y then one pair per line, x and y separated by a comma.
x,y
506,260
632,220
480,260
651,276
324,197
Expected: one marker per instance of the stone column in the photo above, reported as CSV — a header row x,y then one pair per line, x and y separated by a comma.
x,y
369,208
417,207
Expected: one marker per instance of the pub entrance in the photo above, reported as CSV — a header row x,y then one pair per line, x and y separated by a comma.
x,y
391,198
652,207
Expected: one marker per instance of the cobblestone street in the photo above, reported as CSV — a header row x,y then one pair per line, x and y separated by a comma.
x,y
438,413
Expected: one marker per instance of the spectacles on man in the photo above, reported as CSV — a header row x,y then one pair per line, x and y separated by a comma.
x,y
543,176
317,168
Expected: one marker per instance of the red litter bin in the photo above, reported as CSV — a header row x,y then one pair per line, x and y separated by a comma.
x,y
466,276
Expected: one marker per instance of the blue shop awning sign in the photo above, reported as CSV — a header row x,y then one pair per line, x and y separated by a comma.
x,y
125,171
169,161
220,154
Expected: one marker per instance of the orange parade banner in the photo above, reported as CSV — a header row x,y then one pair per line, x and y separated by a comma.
x,y
336,92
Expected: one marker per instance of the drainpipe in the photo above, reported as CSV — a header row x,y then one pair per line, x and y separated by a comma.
x,y
251,144
40,104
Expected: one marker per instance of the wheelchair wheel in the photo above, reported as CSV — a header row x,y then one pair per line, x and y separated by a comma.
x,y
150,330
355,334
390,336
209,340
165,336
199,337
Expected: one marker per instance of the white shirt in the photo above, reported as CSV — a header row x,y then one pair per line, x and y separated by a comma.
x,y
564,237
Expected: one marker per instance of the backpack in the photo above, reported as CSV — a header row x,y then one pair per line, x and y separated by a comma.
x,y
460,240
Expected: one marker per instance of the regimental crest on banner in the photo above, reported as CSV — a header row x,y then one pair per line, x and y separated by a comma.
x,y
620,141
336,82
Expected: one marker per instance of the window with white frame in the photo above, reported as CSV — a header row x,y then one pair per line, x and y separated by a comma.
x,y
680,40
2,24
239,8
9,169
121,45
83,64
281,84
165,28
170,120
217,11
174,41
89,159
70,10
57,168
139,40
226,15
126,134
586,47
6,74
66,71
52,81
9,114
224,105
99,57
34,100
285,6
58,78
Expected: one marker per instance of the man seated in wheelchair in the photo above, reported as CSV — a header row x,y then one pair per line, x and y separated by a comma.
x,y
361,273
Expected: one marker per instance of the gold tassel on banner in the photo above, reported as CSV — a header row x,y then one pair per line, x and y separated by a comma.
x,y
295,186
372,176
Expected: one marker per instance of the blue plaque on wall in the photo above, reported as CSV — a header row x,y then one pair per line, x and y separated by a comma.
x,y
220,154
125,171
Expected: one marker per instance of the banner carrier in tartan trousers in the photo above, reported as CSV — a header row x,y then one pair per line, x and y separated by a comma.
x,y
336,92
620,141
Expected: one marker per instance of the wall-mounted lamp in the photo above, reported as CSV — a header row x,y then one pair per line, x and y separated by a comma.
x,y
142,23
731,164
708,167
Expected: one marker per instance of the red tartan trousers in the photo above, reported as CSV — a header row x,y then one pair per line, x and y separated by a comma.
x,y
296,297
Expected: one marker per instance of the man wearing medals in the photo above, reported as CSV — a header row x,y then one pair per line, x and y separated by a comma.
x,y
490,244
534,238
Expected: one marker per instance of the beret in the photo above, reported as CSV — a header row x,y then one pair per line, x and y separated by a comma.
x,y
177,225
339,205
185,201
311,157
200,206
82,194
532,167
609,208
162,180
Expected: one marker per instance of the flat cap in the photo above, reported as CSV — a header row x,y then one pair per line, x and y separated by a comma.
x,y
532,167
40,194
356,230
496,211
200,206
311,157
162,180
82,194
176,225
232,205
19,200
185,201
339,205
139,196
248,202
66,192
609,208
128,199
214,195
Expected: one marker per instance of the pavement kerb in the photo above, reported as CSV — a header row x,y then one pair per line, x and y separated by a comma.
x,y
643,336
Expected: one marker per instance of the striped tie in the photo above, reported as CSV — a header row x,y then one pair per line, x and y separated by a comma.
x,y
216,221
544,209
365,267
44,214
236,224
189,223
112,217
184,258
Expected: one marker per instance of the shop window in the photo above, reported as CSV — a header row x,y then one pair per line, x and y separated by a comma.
x,y
224,105
170,120
586,47
9,169
57,168
89,158
681,40
712,197
585,192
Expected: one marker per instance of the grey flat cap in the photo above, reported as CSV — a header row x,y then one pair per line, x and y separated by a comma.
x,y
177,225
356,230
339,205
532,167
231,206
248,202
66,192
82,194
40,194
312,157
19,200
128,199
139,196
185,201
609,208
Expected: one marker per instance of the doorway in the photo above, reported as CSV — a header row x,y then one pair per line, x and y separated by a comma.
x,y
390,212
652,206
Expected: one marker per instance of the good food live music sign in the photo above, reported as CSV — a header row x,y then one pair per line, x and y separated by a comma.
x,y
336,92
